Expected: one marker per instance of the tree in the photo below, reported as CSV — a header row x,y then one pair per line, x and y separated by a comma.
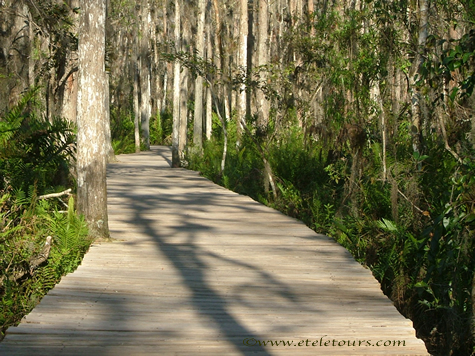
x,y
92,112
262,58
176,90
200,48
145,76
242,63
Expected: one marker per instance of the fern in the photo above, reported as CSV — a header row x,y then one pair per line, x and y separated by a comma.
x,y
35,154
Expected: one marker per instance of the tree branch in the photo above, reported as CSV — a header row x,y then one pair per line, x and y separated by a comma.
x,y
55,195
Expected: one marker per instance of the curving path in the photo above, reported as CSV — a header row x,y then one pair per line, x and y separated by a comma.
x,y
198,270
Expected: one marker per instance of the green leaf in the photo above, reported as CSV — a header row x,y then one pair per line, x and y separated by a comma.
x,y
387,225
466,57
453,93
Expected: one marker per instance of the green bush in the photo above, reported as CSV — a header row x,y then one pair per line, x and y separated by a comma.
x,y
35,157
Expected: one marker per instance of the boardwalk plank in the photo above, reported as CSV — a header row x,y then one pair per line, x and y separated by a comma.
x,y
197,269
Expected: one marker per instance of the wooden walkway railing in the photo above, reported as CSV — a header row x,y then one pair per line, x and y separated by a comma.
x,y
198,270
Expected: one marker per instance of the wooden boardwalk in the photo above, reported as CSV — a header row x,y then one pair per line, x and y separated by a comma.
x,y
199,270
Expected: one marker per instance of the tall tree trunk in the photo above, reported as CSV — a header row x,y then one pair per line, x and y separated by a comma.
x,y
15,46
167,65
110,155
184,92
200,49
70,91
182,131
242,63
209,98
262,59
91,149
416,97
145,77
136,98
176,89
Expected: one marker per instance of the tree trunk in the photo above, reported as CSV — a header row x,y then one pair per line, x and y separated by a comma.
x,y
176,90
242,63
209,98
70,91
110,155
416,97
136,103
167,65
262,59
184,93
145,87
182,131
91,148
200,49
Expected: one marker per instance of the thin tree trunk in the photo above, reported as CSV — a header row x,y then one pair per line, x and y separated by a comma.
x,y
176,90
416,97
209,99
165,88
242,63
145,77
209,114
182,131
91,148
167,66
184,94
200,47
136,107
262,59
70,92
110,155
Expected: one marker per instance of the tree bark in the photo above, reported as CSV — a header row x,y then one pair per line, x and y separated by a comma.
x,y
136,108
110,155
184,92
262,59
200,49
209,98
136,89
70,91
242,63
92,111
416,97
145,87
176,90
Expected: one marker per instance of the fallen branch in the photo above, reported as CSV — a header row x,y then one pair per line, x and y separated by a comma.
x,y
414,205
55,195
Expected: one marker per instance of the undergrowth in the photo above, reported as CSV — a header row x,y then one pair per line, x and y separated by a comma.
x,y
123,128
41,237
414,230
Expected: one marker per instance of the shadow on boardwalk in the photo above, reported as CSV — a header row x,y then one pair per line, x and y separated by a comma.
x,y
197,269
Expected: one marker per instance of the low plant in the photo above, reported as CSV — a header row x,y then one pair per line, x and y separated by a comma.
x,y
39,240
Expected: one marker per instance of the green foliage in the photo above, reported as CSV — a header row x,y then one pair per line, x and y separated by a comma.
x,y
33,150
453,61
35,157
407,214
122,131
71,238
25,225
